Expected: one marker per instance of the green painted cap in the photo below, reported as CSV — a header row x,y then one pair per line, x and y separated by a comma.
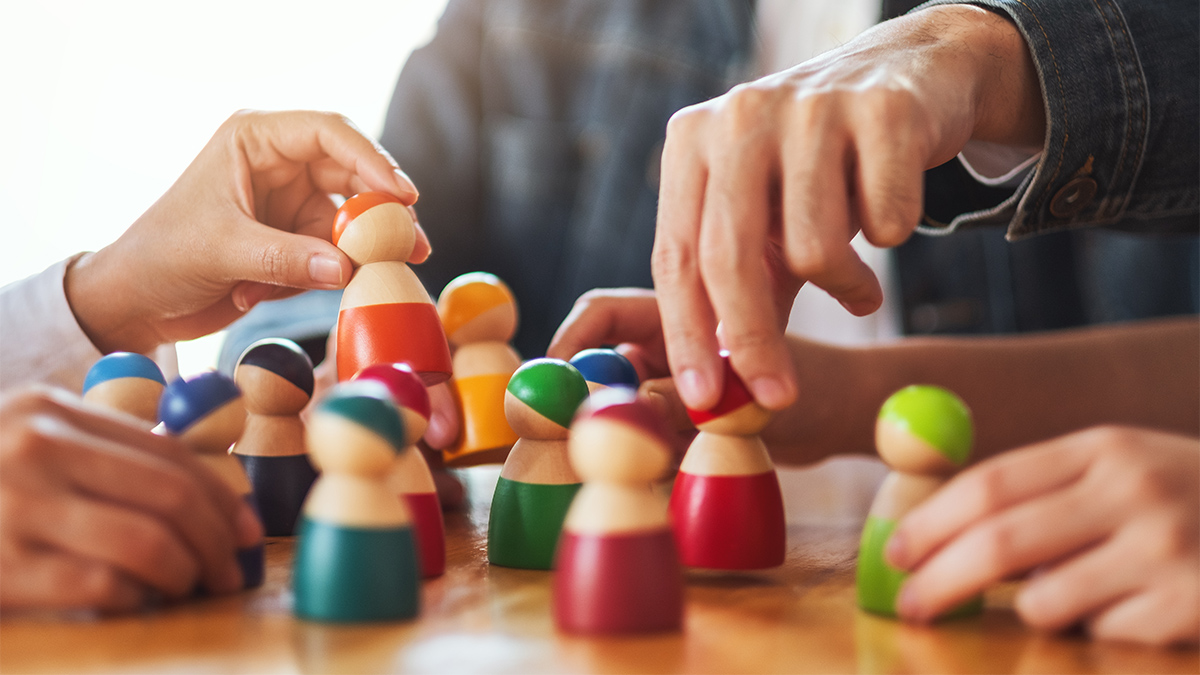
x,y
552,387
368,404
936,416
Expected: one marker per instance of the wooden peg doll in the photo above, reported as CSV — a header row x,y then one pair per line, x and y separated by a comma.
x,y
479,314
130,383
206,412
410,478
605,368
276,379
726,507
356,557
617,569
537,483
924,433
386,315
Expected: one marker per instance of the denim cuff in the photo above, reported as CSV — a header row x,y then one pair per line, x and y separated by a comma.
x,y
1098,124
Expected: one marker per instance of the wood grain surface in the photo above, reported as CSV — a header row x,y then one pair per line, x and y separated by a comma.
x,y
478,618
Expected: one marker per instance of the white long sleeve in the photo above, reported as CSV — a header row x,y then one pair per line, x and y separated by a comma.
x,y
40,340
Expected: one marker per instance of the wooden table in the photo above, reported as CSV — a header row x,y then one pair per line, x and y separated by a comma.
x,y
799,618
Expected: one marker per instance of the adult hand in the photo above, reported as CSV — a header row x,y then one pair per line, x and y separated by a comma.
x,y
1109,517
764,187
96,512
625,317
250,219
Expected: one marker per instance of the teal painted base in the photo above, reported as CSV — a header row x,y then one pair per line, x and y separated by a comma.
x,y
349,574
526,521
879,583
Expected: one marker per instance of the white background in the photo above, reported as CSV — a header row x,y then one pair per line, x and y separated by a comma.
x,y
105,103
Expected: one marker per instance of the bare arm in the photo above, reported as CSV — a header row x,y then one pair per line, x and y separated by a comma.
x,y
1021,389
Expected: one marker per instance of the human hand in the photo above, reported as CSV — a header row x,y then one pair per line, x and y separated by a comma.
x,y
764,187
1108,517
250,219
96,512
625,317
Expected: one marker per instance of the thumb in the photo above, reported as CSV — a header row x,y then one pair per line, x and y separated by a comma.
x,y
269,256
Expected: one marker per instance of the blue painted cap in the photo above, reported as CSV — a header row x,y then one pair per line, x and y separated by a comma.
x,y
369,404
122,364
605,366
187,400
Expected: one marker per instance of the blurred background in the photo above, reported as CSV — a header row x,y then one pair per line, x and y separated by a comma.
x,y
105,103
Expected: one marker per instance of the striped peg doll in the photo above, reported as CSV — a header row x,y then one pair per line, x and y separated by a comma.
x,y
356,554
386,315
126,382
410,478
206,412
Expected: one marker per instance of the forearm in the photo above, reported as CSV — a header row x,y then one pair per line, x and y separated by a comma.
x,y
1021,389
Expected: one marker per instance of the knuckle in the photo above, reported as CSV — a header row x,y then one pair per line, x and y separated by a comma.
x,y
669,261
273,261
993,546
687,121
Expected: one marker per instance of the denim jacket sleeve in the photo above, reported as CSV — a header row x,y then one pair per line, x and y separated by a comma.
x,y
1120,81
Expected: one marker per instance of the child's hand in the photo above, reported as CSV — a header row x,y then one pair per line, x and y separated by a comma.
x,y
98,513
1108,517
625,317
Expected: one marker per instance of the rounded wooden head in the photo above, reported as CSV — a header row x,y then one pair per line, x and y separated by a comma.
x,y
128,382
275,376
374,227
605,368
477,307
737,413
407,391
356,428
618,437
205,411
924,429
541,398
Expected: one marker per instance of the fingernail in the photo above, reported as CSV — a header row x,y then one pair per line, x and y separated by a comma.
x,y
770,392
693,388
249,529
405,184
325,270
893,552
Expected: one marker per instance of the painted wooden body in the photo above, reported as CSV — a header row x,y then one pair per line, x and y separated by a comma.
x,y
533,494
207,413
411,480
479,314
129,383
726,506
386,315
617,569
537,482
356,557
409,477
276,379
925,434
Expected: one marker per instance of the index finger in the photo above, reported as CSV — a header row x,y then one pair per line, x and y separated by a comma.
x,y
689,324
734,265
307,136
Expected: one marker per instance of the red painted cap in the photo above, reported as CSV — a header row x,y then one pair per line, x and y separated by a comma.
x,y
735,396
404,385
355,207
622,404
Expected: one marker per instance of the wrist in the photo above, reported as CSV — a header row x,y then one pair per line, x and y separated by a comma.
x,y
1008,96
104,309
